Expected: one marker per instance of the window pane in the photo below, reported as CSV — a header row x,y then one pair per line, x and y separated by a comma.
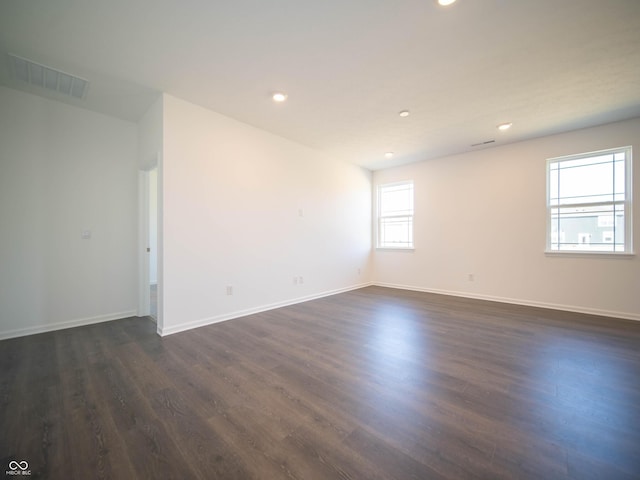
x,y
396,200
395,215
553,184
598,228
586,181
396,232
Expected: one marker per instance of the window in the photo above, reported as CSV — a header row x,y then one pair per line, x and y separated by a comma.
x,y
395,215
589,202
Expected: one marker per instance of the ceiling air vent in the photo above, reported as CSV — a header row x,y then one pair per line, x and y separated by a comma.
x,y
46,77
482,143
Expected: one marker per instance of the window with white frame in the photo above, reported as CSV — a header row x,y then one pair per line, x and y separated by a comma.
x,y
395,215
589,202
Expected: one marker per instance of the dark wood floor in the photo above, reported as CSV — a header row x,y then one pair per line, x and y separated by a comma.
x,y
370,384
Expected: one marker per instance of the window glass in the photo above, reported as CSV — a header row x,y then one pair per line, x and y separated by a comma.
x,y
395,215
588,202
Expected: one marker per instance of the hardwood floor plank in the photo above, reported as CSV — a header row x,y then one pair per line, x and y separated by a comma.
x,y
15,361
204,397
312,455
374,383
275,399
257,440
205,451
138,365
391,463
585,467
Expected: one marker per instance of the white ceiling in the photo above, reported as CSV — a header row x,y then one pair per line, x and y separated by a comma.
x,y
348,66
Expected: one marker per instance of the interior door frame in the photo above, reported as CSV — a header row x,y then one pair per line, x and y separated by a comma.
x,y
144,286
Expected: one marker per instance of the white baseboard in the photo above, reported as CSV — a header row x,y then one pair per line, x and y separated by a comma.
x,y
515,301
243,313
22,332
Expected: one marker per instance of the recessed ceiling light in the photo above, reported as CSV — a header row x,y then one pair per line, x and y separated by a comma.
x,y
504,126
444,3
388,154
404,113
279,97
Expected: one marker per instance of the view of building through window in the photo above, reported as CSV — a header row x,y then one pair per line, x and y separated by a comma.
x,y
588,202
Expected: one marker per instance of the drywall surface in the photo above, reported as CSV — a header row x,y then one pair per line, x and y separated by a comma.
x,y
251,220
150,136
484,213
65,172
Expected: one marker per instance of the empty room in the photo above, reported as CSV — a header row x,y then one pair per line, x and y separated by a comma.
x,y
363,239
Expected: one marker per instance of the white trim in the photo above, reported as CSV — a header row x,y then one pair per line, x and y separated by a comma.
x,y
515,301
80,322
160,246
144,293
250,311
579,156
587,253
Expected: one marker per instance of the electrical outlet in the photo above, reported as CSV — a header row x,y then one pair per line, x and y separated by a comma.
x,y
471,277
295,280
229,289
301,280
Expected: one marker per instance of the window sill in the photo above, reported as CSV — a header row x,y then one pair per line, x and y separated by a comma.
x,y
396,249
585,254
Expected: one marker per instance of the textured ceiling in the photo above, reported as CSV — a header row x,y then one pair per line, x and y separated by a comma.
x,y
348,66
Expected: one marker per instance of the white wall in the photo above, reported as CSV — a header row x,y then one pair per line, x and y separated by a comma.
x,y
150,136
231,202
63,170
484,213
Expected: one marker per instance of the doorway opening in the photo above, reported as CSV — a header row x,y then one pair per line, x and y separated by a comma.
x,y
148,296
